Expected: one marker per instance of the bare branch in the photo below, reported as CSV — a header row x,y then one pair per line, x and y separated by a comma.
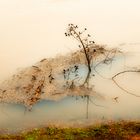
x,y
116,75
72,31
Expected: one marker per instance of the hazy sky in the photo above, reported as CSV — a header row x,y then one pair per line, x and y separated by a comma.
x,y
34,29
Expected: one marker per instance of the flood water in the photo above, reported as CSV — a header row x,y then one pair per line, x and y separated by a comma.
x,y
32,30
72,111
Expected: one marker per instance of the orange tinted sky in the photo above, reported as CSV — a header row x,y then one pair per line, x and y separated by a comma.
x,y
33,29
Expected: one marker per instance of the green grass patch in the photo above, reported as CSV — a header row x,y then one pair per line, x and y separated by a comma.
x,y
110,131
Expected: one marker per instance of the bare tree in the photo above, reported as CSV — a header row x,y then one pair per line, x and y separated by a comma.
x,y
85,43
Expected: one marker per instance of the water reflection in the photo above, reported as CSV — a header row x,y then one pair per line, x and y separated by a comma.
x,y
111,104
70,110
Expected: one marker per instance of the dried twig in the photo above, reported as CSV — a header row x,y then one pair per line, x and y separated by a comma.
x,y
127,71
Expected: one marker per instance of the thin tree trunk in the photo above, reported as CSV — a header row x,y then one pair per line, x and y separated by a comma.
x,y
87,58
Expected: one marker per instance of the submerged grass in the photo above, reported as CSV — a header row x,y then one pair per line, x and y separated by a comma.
x,y
111,131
